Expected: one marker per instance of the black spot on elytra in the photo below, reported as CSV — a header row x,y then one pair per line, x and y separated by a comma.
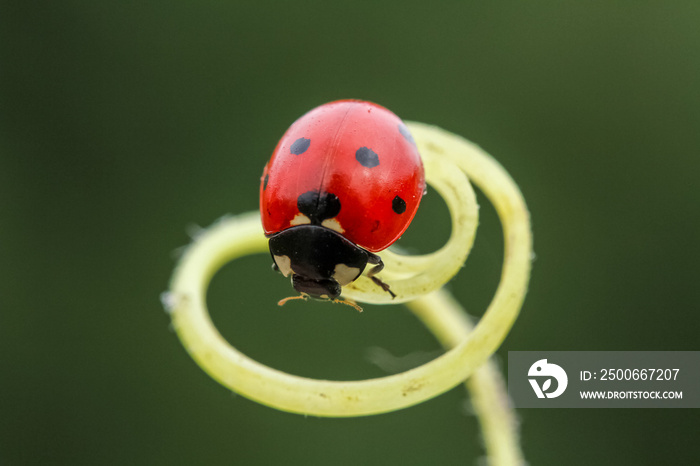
x,y
399,205
318,206
267,177
367,157
406,133
299,146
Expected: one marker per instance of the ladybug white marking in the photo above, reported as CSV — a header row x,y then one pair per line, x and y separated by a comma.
x,y
333,224
345,275
300,219
284,263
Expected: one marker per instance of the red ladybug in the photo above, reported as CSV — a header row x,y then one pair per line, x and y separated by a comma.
x,y
343,183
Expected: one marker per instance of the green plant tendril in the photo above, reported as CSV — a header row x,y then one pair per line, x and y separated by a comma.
x,y
416,280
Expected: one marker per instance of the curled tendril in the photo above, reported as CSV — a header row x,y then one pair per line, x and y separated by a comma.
x,y
416,280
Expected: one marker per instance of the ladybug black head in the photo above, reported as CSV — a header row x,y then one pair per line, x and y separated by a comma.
x,y
319,260
318,289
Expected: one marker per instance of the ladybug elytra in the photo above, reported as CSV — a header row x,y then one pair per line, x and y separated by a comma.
x,y
343,183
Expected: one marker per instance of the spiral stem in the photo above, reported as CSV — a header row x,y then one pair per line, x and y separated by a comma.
x,y
450,163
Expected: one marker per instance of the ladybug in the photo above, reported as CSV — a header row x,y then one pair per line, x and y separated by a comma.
x,y
343,183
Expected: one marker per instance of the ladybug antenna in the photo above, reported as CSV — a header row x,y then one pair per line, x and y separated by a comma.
x,y
347,302
305,297
284,301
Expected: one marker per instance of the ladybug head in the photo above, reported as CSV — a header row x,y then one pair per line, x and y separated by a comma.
x,y
317,289
319,260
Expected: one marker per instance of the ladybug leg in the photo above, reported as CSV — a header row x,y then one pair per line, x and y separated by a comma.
x,y
378,267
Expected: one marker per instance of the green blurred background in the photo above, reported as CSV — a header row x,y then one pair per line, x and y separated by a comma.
x,y
121,123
